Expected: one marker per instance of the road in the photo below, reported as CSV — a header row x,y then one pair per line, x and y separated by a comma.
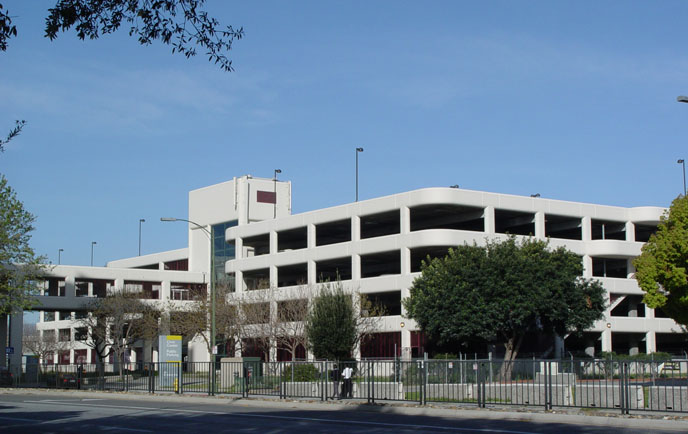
x,y
50,412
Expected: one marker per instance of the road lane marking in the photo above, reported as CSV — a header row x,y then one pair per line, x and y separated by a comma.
x,y
119,428
301,418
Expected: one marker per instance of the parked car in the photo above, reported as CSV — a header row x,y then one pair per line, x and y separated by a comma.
x,y
69,381
6,378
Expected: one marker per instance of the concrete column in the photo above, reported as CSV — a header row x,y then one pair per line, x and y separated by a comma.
x,y
310,232
649,312
632,310
630,231
540,225
238,248
70,287
405,261
148,350
607,340
558,346
650,342
630,269
16,332
312,276
587,266
355,267
405,342
586,228
238,281
355,228
273,242
273,276
166,290
405,223
119,283
590,347
489,220
633,348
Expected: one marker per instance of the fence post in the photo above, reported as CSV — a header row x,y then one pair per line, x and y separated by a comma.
x,y
280,379
372,380
478,384
323,385
424,394
179,379
548,384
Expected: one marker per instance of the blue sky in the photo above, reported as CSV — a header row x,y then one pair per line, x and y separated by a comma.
x,y
572,100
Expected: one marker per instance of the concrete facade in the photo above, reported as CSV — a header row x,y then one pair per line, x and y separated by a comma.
x,y
376,247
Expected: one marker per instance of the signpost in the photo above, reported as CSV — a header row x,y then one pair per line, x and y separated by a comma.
x,y
170,358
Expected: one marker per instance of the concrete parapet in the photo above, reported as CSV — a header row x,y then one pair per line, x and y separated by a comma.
x,y
607,396
668,398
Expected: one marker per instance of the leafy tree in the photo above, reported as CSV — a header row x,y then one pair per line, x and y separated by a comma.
x,y
179,23
331,324
20,268
661,269
502,291
337,321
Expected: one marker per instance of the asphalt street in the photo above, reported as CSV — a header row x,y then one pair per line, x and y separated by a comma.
x,y
50,412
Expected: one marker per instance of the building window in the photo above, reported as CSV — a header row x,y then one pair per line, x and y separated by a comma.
x,y
65,335
223,252
381,345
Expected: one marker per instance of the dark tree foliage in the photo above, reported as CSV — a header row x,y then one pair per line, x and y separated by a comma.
x,y
7,30
20,268
502,291
332,324
14,132
662,268
179,23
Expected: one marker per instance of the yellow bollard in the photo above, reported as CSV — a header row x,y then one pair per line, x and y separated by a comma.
x,y
176,385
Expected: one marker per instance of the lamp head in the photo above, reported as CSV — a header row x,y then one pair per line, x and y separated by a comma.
x,y
680,161
359,149
682,98
168,219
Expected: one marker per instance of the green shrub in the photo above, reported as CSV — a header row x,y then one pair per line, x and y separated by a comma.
x,y
302,372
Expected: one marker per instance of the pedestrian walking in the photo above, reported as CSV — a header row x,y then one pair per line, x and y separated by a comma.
x,y
347,373
335,377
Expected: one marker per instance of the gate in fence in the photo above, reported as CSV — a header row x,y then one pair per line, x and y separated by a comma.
x,y
586,383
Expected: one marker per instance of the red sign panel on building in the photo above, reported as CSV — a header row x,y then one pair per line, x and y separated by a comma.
x,y
267,196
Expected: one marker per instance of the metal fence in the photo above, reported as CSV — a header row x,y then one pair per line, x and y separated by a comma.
x,y
585,383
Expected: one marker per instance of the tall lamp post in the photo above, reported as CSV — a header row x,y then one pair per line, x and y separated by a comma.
x,y
683,163
684,99
357,151
93,243
59,256
140,221
212,273
274,189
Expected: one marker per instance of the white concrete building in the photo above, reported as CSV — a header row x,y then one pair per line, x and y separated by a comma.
x,y
375,246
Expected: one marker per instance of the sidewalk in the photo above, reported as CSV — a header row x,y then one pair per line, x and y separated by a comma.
x,y
603,418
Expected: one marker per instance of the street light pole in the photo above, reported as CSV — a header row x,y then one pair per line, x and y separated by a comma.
x,y
683,163
212,275
357,151
274,189
140,221
59,256
93,243
684,99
